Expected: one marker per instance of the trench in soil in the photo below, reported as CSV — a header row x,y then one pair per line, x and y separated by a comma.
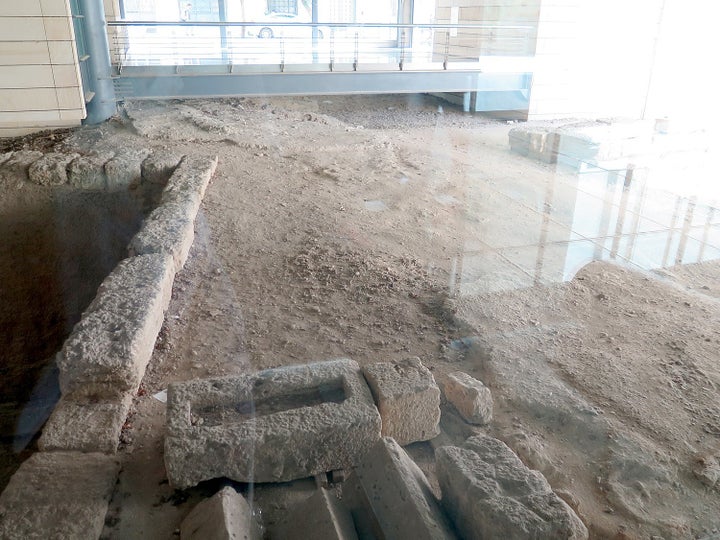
x,y
55,251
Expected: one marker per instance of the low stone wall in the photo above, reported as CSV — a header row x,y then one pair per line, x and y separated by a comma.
x,y
104,359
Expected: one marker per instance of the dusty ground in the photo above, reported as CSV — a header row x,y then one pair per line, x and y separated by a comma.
x,y
335,227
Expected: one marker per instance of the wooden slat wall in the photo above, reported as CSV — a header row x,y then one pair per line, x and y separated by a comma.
x,y
39,77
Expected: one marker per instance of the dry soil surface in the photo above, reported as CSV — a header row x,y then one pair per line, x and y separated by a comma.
x,y
333,228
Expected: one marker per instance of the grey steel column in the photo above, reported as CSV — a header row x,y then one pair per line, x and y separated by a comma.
x,y
102,106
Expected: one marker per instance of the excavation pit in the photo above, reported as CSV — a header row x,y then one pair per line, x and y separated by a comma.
x,y
59,242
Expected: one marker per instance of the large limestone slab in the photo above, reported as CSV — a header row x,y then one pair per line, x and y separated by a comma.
x,y
108,350
320,516
391,498
58,495
167,230
471,398
85,424
273,426
408,399
224,516
490,493
186,187
51,169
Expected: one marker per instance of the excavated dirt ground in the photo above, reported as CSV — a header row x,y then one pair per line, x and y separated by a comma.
x,y
334,227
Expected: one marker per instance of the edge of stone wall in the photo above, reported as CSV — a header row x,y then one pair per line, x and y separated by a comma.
x,y
96,398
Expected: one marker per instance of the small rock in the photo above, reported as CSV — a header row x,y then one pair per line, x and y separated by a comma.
x,y
471,398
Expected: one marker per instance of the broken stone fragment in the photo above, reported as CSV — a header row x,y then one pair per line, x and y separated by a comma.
x,y
272,426
320,516
5,156
224,516
58,495
408,399
391,498
490,493
471,398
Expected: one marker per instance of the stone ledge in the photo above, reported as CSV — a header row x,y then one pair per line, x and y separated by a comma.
x,y
85,425
188,183
108,350
58,495
167,230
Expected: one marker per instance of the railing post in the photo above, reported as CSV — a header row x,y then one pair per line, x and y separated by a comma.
x,y
102,106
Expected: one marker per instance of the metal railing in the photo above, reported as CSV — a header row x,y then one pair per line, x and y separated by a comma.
x,y
319,46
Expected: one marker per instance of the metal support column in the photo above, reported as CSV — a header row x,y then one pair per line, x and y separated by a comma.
x,y
102,106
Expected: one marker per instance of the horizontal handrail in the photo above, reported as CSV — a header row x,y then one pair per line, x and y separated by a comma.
x,y
432,26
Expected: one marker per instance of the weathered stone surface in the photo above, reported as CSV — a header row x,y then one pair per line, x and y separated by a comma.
x,y
391,498
58,495
471,398
186,187
320,516
85,424
88,172
16,167
51,169
224,516
124,170
5,156
490,493
108,350
167,231
272,426
408,399
158,167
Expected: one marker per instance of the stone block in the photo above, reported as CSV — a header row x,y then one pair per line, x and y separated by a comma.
x,y
85,424
58,495
167,231
471,398
88,172
158,167
391,498
320,516
5,156
490,493
224,516
16,167
51,169
186,187
125,169
272,426
108,350
408,399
